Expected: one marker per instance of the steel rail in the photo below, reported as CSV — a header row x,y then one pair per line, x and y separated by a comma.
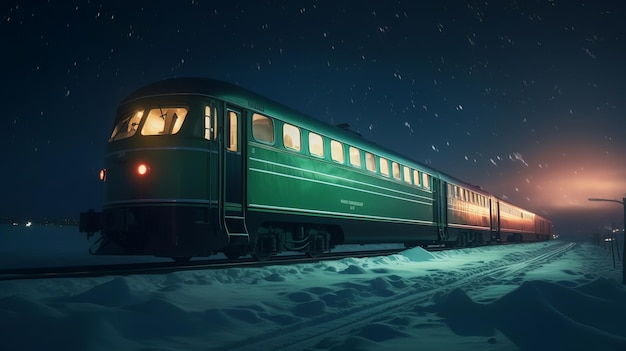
x,y
169,267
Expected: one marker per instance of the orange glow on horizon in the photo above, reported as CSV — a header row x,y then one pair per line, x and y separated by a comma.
x,y
562,179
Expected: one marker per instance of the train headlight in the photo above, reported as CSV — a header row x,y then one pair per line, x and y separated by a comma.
x,y
142,169
103,174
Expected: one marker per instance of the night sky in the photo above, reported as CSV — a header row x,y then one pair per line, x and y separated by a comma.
x,y
524,98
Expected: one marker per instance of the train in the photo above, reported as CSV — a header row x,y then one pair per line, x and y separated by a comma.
x,y
196,166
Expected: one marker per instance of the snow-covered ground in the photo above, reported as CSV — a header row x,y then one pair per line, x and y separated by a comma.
x,y
545,296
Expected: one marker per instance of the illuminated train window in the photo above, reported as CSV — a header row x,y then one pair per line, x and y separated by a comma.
x,y
262,128
209,123
164,121
355,156
395,167
370,162
291,137
316,145
416,177
336,151
426,180
126,127
407,174
232,141
384,167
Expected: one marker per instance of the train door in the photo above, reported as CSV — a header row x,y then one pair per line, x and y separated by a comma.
x,y
234,180
495,220
440,207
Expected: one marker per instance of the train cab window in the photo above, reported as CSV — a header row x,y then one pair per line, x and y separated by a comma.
x,y
262,128
425,180
164,121
384,167
336,151
416,177
407,174
291,137
209,123
395,167
355,156
316,145
127,126
232,142
370,162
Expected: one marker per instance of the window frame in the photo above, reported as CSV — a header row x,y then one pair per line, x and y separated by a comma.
x,y
333,153
406,174
272,129
358,154
230,134
321,139
381,161
395,170
426,181
299,139
370,162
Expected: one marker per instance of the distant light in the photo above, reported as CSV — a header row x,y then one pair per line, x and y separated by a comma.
x,y
142,169
103,174
29,223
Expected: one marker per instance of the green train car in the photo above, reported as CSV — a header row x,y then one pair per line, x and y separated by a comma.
x,y
196,166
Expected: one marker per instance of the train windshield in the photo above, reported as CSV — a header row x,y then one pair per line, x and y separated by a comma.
x,y
158,121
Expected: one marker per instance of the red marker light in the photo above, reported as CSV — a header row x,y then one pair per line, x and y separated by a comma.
x,y
142,169
103,174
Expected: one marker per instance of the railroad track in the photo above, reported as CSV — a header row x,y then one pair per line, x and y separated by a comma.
x,y
168,267
308,333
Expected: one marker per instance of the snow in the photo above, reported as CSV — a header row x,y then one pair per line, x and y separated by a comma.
x,y
557,295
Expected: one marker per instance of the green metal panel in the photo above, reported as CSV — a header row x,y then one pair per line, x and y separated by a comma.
x,y
178,173
285,181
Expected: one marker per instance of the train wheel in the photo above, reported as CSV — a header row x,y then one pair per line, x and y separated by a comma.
x,y
265,246
317,246
232,253
261,256
314,253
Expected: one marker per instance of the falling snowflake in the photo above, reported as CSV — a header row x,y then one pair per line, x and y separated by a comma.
x,y
516,156
408,125
588,52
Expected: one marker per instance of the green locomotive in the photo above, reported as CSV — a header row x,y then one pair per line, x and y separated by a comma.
x,y
195,166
